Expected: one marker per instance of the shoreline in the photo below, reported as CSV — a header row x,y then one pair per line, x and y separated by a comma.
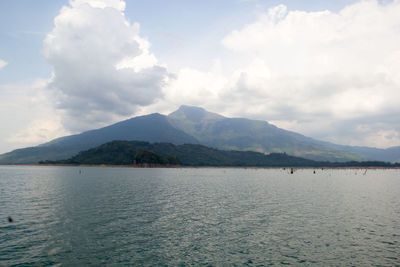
x,y
199,167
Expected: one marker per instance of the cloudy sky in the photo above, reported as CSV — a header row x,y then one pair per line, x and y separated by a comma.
x,y
326,69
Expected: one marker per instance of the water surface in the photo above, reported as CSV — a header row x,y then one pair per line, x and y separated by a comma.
x,y
110,216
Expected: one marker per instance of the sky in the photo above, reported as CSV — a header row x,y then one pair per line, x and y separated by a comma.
x,y
326,69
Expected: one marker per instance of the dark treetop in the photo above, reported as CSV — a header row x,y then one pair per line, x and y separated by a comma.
x,y
139,153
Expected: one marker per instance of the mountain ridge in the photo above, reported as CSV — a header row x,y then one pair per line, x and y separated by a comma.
x,y
251,135
195,125
153,127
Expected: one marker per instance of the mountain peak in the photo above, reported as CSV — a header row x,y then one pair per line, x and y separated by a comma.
x,y
194,114
188,108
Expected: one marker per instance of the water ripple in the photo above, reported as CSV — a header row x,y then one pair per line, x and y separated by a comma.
x,y
118,216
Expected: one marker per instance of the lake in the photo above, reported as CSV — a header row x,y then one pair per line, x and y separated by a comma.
x,y
71,216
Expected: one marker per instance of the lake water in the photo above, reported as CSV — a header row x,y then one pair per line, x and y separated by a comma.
x,y
74,216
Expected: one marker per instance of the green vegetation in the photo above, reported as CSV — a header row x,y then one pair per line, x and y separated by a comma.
x,y
144,153
120,153
151,157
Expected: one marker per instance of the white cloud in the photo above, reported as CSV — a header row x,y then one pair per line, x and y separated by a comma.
x,y
334,76
314,72
356,39
115,4
38,131
2,63
102,68
28,114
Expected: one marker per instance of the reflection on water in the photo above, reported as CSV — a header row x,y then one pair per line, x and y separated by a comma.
x,y
81,215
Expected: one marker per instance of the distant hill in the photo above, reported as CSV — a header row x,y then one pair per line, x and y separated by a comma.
x,y
139,153
251,135
391,154
126,152
194,125
152,128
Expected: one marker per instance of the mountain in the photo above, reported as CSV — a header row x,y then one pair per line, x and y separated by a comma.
x,y
220,132
391,154
217,131
194,125
161,154
152,128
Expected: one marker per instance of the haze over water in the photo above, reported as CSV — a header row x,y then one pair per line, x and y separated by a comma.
x,y
102,216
